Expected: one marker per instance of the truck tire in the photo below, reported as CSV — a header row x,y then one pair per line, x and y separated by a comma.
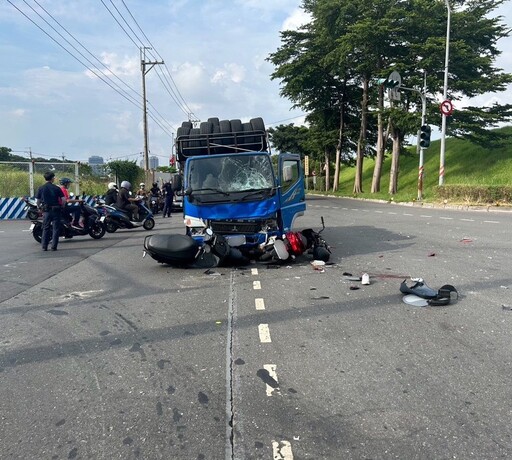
x,y
225,126
257,124
182,131
187,124
214,121
248,140
236,126
195,143
206,127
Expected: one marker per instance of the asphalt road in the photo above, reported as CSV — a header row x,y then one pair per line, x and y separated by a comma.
x,y
104,354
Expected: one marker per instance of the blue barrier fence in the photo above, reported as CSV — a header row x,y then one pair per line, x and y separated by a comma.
x,y
14,208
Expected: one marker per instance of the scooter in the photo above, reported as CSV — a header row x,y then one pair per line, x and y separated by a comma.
x,y
92,225
33,212
154,202
184,251
115,218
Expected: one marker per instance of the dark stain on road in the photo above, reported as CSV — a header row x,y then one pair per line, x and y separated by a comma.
x,y
202,398
264,375
57,312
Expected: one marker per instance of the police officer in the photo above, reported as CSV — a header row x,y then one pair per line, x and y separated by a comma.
x,y
51,199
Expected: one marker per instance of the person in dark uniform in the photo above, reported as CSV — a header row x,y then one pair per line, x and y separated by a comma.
x,y
51,199
126,202
168,193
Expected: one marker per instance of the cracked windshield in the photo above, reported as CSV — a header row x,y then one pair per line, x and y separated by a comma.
x,y
228,174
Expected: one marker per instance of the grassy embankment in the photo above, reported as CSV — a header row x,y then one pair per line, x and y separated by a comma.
x,y
466,165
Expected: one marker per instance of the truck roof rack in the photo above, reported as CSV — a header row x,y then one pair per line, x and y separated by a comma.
x,y
217,137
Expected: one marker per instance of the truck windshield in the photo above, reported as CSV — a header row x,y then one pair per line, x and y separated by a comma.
x,y
229,175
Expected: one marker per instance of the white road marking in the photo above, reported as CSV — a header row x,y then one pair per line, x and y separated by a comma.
x,y
271,369
256,285
423,215
491,222
392,213
264,332
446,218
254,271
405,214
260,304
468,220
282,450
379,212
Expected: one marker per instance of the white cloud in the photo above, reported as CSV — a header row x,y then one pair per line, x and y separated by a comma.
x,y
298,18
230,73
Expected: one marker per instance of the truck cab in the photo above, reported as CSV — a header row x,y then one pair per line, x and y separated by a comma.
x,y
235,187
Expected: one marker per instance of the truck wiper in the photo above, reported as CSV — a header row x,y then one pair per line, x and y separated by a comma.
x,y
256,192
208,189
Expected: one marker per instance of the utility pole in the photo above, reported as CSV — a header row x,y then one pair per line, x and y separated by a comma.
x,y
445,95
143,64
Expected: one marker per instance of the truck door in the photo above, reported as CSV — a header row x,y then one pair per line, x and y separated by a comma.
x,y
291,191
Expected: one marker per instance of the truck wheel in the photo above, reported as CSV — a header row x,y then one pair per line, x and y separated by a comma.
x,y
187,124
214,121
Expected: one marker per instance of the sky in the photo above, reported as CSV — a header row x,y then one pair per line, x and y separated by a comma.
x,y
214,65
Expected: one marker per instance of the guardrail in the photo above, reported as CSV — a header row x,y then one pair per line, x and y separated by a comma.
x,y
14,208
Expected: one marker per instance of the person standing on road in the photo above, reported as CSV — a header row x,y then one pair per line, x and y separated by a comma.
x,y
169,193
51,199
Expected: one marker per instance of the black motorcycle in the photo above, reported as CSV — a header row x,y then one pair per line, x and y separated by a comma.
x,y
184,251
92,225
33,212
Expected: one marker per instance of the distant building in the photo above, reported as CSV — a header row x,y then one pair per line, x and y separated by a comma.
x,y
97,165
153,162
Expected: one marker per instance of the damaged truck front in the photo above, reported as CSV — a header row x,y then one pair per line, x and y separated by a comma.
x,y
231,185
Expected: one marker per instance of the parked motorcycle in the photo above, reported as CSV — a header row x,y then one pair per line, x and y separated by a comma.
x,y
115,218
91,220
33,213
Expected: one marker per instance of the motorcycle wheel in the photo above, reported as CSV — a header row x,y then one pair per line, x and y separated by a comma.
x,y
149,224
32,215
37,233
97,230
110,227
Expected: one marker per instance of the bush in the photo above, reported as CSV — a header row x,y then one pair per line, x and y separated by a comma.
x,y
477,194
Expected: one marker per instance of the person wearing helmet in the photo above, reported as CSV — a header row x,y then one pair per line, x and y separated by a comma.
x,y
51,199
111,195
126,202
156,195
70,209
169,193
142,192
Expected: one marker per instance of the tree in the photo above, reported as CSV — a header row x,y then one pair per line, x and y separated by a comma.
x,y
5,154
125,170
290,138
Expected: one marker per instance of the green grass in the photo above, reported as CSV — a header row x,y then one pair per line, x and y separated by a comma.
x,y
465,164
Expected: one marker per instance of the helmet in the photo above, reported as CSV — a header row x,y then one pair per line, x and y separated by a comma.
x,y
125,184
142,184
155,184
112,185
65,180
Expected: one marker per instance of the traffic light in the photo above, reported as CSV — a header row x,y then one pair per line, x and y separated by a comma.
x,y
388,83
425,131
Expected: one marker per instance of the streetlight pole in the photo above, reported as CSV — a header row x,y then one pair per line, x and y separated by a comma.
x,y
445,95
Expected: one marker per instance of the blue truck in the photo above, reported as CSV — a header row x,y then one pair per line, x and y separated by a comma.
x,y
234,186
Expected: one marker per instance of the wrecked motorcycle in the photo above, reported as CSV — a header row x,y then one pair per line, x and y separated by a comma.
x,y
184,251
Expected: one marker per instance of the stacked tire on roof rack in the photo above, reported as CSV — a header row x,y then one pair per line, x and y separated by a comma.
x,y
221,136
